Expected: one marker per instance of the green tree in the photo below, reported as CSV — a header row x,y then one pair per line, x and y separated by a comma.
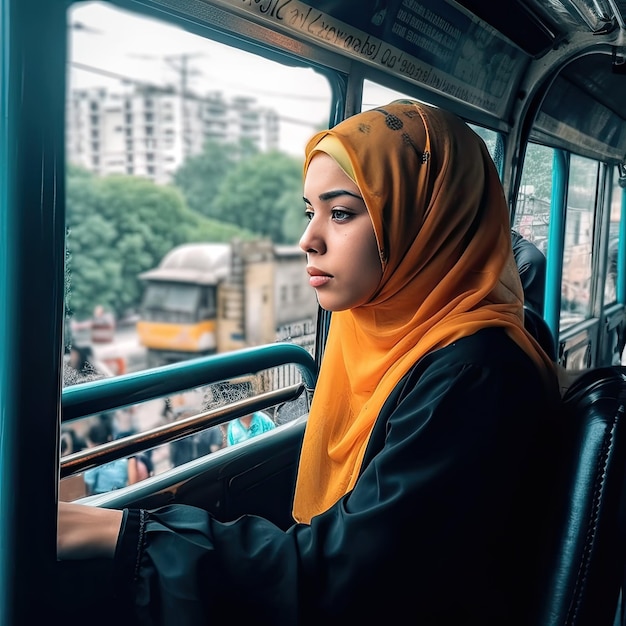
x,y
291,206
203,229
537,172
90,267
251,196
120,226
199,177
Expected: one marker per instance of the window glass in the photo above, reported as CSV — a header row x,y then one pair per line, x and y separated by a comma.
x,y
610,285
184,148
185,126
532,216
492,141
162,300
577,253
375,95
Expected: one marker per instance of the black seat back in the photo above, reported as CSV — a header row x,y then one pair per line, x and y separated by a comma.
x,y
585,564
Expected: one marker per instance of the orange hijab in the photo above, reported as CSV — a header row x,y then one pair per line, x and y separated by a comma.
x,y
442,227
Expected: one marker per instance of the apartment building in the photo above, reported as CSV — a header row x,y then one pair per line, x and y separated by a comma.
x,y
149,131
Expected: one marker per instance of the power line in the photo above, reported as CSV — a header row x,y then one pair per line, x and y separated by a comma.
x,y
121,77
171,89
130,80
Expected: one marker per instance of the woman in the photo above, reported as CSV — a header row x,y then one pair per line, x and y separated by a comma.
x,y
422,467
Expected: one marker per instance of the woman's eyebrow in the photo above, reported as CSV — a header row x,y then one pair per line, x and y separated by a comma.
x,y
329,195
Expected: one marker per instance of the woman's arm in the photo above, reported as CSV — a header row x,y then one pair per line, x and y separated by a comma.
x,y
86,532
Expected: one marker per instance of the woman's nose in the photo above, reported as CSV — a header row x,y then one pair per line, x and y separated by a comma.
x,y
311,240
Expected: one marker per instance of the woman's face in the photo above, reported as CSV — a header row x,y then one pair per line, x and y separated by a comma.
x,y
342,256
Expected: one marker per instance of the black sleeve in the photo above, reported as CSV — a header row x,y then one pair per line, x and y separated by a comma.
x,y
439,524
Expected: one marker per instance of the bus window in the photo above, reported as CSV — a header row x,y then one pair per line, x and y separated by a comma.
x,y
170,302
493,141
532,216
178,147
579,220
610,285
375,95
184,203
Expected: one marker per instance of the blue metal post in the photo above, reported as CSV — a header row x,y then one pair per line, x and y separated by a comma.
x,y
32,110
621,254
556,238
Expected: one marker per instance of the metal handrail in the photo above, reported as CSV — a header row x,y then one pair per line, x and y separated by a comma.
x,y
97,396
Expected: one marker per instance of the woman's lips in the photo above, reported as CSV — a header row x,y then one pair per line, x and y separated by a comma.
x,y
318,281
317,278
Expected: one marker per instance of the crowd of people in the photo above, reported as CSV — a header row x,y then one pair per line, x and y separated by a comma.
x,y
108,426
216,437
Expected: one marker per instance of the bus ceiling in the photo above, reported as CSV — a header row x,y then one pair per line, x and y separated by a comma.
x,y
590,36
537,26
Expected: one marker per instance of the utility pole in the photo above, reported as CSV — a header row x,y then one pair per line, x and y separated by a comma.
x,y
180,63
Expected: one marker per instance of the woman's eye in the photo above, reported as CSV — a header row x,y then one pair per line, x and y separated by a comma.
x,y
308,214
340,215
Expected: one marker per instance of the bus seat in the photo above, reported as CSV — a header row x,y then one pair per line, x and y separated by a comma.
x,y
539,329
584,571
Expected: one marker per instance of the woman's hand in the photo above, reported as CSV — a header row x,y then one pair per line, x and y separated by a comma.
x,y
86,532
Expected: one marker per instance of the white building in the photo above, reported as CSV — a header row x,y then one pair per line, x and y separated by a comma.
x,y
150,131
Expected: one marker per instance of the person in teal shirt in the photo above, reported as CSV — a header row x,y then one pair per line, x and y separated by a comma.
x,y
248,426
107,477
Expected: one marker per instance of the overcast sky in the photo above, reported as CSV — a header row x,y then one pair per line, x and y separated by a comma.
x,y
134,46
